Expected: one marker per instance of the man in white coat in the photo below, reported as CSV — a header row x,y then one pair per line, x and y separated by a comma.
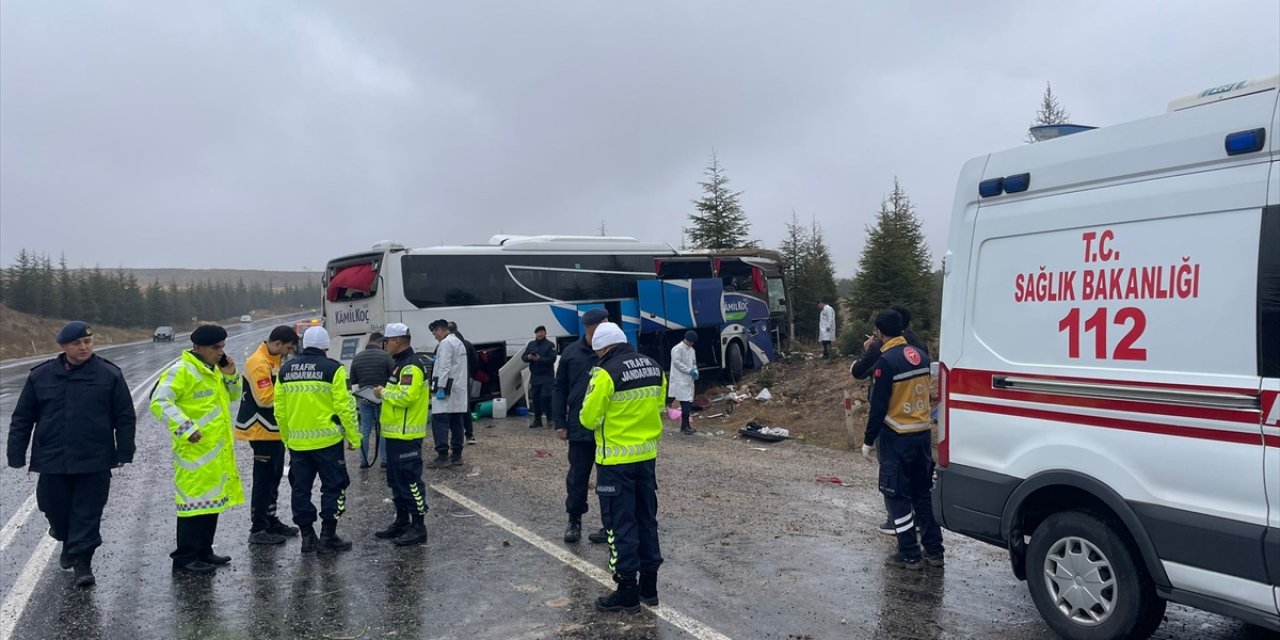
x,y
826,327
449,377
684,370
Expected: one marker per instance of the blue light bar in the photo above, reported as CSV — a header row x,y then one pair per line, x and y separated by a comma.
x,y
992,187
1242,142
1018,183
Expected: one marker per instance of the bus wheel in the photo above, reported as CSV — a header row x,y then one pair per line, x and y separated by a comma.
x,y
733,363
1087,581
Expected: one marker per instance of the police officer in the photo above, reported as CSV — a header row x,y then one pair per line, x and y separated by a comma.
x,y
193,397
256,423
898,426
623,407
315,408
405,402
572,378
540,354
80,409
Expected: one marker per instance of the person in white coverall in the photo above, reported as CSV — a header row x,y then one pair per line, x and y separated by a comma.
x,y
449,395
684,370
826,327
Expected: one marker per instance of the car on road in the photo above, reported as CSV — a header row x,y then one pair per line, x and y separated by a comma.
x,y
163,334
246,318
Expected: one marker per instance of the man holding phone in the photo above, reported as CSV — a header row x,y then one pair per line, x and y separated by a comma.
x,y
193,397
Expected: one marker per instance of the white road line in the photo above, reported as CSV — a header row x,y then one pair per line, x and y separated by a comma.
x,y
16,521
15,601
679,620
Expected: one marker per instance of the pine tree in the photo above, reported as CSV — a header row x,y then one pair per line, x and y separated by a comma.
x,y
1050,112
720,222
809,272
895,266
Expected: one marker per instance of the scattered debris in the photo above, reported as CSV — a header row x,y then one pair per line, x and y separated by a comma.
x,y
542,453
764,395
832,480
760,432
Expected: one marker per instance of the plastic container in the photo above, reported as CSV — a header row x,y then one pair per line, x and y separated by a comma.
x,y
499,407
522,410
484,409
674,414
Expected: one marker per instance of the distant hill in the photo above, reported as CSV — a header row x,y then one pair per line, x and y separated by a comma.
x,y
187,277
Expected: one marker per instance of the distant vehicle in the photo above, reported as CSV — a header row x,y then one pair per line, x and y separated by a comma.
x,y
1080,427
246,318
303,325
163,334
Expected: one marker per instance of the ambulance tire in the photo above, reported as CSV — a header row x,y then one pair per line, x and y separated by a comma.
x,y
733,363
1137,609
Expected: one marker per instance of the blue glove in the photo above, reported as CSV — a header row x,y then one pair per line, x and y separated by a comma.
x,y
440,394
693,373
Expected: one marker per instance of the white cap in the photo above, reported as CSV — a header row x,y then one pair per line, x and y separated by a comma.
x,y
315,338
396,330
607,334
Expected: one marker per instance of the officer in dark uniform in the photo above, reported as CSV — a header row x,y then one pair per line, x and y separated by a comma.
x,y
572,378
899,427
80,409
540,353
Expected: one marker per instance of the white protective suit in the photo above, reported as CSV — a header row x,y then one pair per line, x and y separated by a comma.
x,y
450,365
680,383
827,324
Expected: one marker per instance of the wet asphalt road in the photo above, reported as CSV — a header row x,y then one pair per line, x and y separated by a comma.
x,y
755,548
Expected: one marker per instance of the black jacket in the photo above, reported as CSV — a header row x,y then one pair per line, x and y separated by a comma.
x,y
542,370
82,418
371,368
572,379
866,362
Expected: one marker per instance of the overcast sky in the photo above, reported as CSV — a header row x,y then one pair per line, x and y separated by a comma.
x,y
277,135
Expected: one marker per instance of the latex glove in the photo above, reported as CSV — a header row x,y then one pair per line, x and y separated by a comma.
x,y
440,394
866,452
693,373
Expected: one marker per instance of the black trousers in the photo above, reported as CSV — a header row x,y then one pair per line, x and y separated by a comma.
x,y
268,469
73,503
629,505
195,538
686,408
404,476
540,396
826,348
466,424
331,466
906,480
447,430
582,458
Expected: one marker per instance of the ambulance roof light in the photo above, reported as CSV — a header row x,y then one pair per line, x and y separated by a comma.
x,y
1225,92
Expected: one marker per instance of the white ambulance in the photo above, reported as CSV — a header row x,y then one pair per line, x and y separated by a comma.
x,y
1110,364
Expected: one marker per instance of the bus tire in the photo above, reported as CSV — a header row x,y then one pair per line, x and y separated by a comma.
x,y
733,362
1109,566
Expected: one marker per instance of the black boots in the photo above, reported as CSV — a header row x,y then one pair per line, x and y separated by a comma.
x,y
66,560
649,588
415,534
396,529
598,537
84,572
441,461
215,559
626,598
309,539
282,529
537,423
573,532
330,543
456,460
194,567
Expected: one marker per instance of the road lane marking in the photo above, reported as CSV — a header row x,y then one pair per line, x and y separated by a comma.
x,y
677,619
16,521
16,599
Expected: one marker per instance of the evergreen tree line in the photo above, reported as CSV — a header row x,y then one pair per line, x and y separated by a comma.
x,y
32,284
809,273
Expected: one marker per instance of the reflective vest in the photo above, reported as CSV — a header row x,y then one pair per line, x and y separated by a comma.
x,y
194,396
624,407
314,405
257,419
405,400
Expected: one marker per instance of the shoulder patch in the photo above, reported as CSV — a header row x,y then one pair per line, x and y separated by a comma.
x,y
264,383
911,355
878,372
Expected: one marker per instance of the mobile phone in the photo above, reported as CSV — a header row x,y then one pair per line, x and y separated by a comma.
x,y
223,361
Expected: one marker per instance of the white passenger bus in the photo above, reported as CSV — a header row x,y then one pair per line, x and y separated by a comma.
x,y
497,293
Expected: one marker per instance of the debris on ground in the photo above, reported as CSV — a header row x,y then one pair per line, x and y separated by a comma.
x,y
761,432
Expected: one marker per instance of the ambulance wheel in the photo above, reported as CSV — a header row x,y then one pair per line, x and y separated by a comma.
x,y
733,363
1087,581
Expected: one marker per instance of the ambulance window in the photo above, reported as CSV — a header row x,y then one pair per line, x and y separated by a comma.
x,y
1269,294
